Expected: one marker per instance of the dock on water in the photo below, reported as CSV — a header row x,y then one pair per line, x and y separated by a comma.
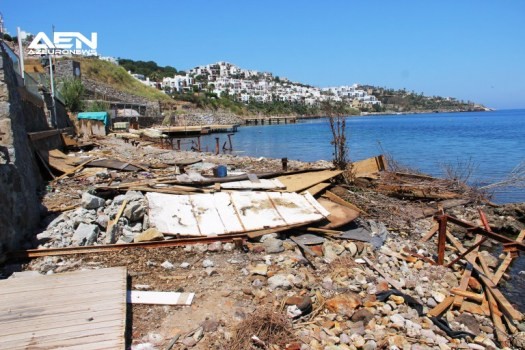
x,y
196,130
270,120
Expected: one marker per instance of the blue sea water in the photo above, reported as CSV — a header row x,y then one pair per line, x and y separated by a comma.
x,y
491,141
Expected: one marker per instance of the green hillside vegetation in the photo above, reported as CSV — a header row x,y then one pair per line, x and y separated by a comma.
x,y
149,69
118,78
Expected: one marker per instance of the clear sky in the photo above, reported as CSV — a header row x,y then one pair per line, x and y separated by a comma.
x,y
469,49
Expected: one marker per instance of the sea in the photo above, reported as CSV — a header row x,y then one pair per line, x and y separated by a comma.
x,y
486,146
483,147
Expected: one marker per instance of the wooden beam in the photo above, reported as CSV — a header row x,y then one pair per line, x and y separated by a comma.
x,y
506,262
441,307
442,239
458,299
495,314
469,295
430,232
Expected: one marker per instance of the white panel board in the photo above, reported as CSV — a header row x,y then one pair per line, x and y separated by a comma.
x,y
256,211
159,298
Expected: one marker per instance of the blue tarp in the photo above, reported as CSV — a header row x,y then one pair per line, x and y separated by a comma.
x,y
102,116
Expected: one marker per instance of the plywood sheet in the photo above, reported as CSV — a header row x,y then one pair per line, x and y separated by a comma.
x,y
262,184
159,298
76,310
339,214
209,214
369,167
300,182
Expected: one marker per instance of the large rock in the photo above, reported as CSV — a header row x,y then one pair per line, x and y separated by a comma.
x,y
149,235
135,211
344,304
85,234
90,201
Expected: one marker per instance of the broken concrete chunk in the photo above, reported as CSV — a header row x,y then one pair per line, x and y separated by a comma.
x,y
332,250
151,234
279,281
85,234
273,245
259,269
90,201
135,211
133,196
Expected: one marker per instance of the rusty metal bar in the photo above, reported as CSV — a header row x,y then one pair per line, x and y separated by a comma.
x,y
442,239
462,255
35,253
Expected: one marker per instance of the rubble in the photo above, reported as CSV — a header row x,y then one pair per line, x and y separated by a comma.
x,y
320,292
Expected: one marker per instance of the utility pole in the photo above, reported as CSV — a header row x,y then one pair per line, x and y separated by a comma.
x,y
53,104
21,53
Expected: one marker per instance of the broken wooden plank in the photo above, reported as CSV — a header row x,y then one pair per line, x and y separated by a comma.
x,y
302,181
469,295
463,284
261,184
506,262
441,307
369,167
503,303
501,335
80,166
159,298
473,308
430,232
339,215
320,187
113,164
335,198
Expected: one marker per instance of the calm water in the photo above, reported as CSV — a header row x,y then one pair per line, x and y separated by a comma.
x,y
493,141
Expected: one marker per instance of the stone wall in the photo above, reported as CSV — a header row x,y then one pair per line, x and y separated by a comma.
x,y
19,176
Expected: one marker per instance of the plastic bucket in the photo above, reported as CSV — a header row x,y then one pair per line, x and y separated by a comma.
x,y
220,171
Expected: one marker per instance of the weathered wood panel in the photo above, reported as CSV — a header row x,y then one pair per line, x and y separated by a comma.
x,y
76,310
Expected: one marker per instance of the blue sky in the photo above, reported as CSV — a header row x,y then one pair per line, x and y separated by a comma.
x,y
472,50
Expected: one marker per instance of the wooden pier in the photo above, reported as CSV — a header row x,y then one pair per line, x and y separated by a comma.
x,y
196,130
270,120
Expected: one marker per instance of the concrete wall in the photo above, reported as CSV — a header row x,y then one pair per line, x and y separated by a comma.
x,y
19,176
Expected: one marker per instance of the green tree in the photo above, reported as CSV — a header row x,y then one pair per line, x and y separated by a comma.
x,y
72,91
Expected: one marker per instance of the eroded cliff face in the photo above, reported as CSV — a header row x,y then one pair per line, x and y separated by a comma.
x,y
19,176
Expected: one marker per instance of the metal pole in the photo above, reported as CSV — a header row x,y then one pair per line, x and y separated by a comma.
x,y
21,53
54,117
442,239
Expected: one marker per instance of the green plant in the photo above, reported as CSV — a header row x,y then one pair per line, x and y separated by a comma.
x,y
97,106
72,91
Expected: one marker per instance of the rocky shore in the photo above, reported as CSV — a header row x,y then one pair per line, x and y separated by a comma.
x,y
269,293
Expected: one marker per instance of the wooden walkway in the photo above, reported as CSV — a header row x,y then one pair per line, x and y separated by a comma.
x,y
77,310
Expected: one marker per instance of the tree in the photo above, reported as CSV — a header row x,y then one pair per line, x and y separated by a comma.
x,y
72,91
338,129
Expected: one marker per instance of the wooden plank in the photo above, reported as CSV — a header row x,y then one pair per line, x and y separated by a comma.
x,y
501,335
369,167
335,198
63,310
441,307
48,133
256,210
506,262
503,303
430,232
339,215
320,187
293,213
300,182
262,184
474,308
226,209
159,298
469,295
458,299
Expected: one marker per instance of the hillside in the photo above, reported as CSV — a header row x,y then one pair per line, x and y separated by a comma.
x,y
118,78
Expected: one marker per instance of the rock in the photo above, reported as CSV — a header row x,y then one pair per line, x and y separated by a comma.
x,y
210,271
352,248
303,303
397,299
228,247
259,269
268,236
357,340
451,279
429,334
470,322
189,342
279,281
85,234
102,220
131,196
215,247
207,263
151,234
134,211
90,201
431,302
344,304
398,320
273,245
210,325
332,250
475,346
362,315
167,265
489,259
399,341
439,297
370,345
113,233
185,265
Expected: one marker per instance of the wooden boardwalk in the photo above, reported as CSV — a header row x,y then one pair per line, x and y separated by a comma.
x,y
76,310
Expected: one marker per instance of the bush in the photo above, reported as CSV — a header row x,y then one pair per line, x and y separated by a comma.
x,y
72,91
